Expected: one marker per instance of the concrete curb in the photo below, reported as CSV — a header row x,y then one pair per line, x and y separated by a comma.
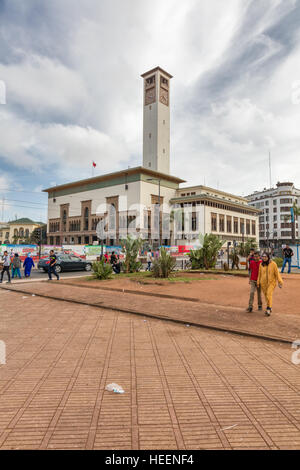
x,y
157,317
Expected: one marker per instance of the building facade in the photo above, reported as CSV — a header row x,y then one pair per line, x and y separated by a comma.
x,y
275,221
213,211
147,200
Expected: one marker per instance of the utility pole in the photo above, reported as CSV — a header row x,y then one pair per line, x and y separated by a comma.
x,y
270,171
3,200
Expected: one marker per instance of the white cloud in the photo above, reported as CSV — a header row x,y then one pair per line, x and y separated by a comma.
x,y
82,101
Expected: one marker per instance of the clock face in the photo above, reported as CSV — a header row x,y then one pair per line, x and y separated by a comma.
x,y
164,97
150,96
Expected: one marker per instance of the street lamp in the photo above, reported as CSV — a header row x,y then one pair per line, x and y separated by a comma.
x,y
157,179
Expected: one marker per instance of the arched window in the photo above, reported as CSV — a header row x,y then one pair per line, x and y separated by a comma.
x,y
21,232
86,218
16,232
64,220
27,233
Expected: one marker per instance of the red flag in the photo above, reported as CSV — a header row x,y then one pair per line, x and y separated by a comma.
x,y
94,165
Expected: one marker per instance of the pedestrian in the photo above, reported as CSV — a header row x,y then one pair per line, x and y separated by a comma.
x,y
52,265
250,258
11,257
268,276
28,265
287,255
149,260
117,265
253,276
16,265
6,265
113,258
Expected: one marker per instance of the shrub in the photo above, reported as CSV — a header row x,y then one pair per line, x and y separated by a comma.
x,y
206,256
164,265
131,247
102,270
196,259
278,261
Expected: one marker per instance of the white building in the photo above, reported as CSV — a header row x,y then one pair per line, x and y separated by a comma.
x,y
145,199
275,224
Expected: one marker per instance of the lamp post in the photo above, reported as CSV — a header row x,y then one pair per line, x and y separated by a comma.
x,y
159,235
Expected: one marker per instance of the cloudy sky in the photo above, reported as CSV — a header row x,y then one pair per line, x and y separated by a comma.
x,y
72,69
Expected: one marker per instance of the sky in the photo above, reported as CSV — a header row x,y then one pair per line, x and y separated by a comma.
x,y
71,92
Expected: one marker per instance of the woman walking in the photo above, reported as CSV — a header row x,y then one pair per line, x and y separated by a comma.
x,y
28,265
268,276
16,265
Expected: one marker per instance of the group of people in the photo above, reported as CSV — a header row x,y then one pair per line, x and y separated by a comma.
x,y
115,262
12,262
263,277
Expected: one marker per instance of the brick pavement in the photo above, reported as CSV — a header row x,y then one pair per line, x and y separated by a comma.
x,y
285,327
185,388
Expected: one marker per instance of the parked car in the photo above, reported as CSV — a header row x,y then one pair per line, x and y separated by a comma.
x,y
66,263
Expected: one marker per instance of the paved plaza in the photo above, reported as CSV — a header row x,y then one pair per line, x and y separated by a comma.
x,y
185,387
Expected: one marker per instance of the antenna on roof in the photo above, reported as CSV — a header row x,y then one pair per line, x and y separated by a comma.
x,y
270,171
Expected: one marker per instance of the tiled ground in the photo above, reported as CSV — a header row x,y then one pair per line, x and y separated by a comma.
x,y
185,388
279,325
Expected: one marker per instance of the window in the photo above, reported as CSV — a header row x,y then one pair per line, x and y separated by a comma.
x,y
213,222
236,225
86,218
229,224
253,227
194,222
275,210
274,218
221,223
248,227
286,201
242,225
64,221
112,216
274,202
150,80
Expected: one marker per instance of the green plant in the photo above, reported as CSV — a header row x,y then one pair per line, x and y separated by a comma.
x,y
197,259
131,247
164,265
278,261
102,270
206,256
244,248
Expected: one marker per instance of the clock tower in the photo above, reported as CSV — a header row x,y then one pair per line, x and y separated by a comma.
x,y
156,139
